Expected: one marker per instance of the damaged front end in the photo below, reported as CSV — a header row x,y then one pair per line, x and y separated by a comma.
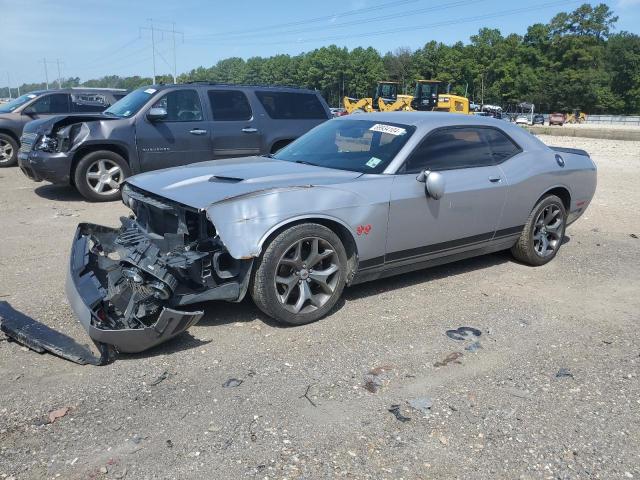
x,y
128,286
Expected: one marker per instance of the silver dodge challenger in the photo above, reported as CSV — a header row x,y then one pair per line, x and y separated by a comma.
x,y
358,198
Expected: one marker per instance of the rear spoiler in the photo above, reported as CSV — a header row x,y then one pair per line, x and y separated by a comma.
x,y
575,151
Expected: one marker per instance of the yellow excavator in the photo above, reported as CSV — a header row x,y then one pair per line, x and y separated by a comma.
x,y
576,117
428,97
385,92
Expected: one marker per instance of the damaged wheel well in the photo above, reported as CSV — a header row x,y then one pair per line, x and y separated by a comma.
x,y
84,151
340,230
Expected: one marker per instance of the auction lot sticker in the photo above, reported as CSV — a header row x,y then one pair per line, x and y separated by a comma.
x,y
390,129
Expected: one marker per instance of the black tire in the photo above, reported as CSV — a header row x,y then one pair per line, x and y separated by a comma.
x,y
526,250
7,141
86,168
265,291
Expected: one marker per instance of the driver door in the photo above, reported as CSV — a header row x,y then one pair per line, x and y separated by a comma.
x,y
182,137
422,228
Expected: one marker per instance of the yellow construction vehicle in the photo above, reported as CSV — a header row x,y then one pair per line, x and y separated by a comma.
x,y
576,117
385,92
427,97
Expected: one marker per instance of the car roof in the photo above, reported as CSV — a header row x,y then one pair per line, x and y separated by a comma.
x,y
233,86
425,119
79,90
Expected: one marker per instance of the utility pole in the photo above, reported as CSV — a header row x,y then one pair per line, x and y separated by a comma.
x,y
173,31
59,75
46,74
154,30
9,86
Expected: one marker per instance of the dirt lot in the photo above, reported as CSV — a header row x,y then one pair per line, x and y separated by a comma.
x,y
506,410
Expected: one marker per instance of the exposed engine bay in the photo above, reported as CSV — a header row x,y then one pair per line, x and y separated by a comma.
x,y
134,280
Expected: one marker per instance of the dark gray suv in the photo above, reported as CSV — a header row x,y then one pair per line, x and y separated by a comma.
x,y
45,103
164,126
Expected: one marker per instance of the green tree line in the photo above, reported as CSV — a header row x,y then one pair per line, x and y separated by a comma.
x,y
573,61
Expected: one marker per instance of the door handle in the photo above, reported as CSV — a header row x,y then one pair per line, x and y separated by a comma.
x,y
197,131
495,179
249,130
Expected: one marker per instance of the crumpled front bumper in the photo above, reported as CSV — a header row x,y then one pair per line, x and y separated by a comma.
x,y
86,296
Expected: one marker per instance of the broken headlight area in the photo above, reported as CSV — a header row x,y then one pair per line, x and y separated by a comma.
x,y
128,286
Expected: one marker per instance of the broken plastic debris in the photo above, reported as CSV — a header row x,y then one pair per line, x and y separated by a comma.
x,y
59,413
376,378
463,333
395,409
473,347
563,373
452,357
422,405
232,382
163,376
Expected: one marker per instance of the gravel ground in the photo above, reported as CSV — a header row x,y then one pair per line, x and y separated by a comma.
x,y
551,390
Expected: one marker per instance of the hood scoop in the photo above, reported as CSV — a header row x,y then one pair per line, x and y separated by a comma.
x,y
221,179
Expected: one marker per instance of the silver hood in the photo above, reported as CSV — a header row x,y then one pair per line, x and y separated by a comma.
x,y
199,185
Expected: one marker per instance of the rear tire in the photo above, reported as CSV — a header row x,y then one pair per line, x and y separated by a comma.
x,y
99,175
301,274
8,151
543,233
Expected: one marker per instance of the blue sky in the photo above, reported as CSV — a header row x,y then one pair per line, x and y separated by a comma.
x,y
93,38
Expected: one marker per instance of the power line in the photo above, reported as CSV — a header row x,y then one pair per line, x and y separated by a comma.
x,y
308,20
418,27
173,32
364,21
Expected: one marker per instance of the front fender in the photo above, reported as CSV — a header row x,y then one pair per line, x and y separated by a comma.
x,y
244,223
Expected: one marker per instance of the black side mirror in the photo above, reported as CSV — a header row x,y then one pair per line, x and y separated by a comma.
x,y
29,111
157,114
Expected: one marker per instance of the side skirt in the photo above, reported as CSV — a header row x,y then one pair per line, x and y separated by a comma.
x,y
429,261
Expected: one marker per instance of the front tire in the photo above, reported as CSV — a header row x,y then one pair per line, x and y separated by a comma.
x,y
8,151
301,274
543,233
99,175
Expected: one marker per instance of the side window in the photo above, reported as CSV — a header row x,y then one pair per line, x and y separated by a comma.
x,y
291,105
54,103
181,106
229,105
502,147
88,102
450,148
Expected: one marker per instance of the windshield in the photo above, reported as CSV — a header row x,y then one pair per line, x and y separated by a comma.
x,y
363,146
130,104
13,104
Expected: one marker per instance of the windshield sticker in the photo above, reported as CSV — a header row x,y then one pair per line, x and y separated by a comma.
x,y
31,96
150,91
373,162
390,129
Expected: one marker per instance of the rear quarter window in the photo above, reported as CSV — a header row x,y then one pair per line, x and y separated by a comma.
x,y
88,102
292,105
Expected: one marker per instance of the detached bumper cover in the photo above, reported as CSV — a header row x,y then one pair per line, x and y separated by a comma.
x,y
86,296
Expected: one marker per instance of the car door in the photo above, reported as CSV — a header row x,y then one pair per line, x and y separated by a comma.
x,y
234,130
48,105
178,139
466,217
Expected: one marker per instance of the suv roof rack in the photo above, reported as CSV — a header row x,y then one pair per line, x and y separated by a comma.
x,y
100,88
222,84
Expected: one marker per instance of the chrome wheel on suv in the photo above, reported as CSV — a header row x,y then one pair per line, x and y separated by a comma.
x,y
98,175
104,176
8,151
